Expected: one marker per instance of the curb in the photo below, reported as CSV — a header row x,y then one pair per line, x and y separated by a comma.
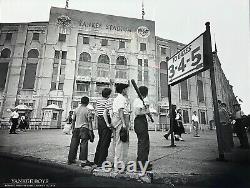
x,y
46,162
170,179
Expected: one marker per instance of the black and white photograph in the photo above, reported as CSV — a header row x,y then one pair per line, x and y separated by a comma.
x,y
125,93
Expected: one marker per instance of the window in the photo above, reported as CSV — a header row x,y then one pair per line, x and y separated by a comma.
x,y
200,91
145,63
103,59
33,53
55,70
3,74
62,37
75,104
58,68
30,71
203,117
60,86
121,44
142,46
57,54
139,75
163,51
104,42
163,79
84,71
61,77
85,40
30,76
54,117
199,75
58,103
121,74
8,37
85,57
5,53
64,54
121,60
102,72
184,90
35,36
100,87
139,69
145,76
53,86
185,116
139,62
82,86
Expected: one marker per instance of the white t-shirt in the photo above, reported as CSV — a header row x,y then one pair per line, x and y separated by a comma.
x,y
119,102
195,118
14,114
138,103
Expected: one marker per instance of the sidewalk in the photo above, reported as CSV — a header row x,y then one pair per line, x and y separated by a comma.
x,y
191,162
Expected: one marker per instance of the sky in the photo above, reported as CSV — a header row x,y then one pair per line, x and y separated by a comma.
x,y
179,20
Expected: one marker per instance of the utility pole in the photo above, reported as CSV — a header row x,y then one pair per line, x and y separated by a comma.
x,y
67,4
143,12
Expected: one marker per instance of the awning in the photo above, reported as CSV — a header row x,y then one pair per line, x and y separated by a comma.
x,y
53,107
23,107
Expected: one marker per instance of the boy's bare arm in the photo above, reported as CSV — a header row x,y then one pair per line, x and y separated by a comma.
x,y
121,115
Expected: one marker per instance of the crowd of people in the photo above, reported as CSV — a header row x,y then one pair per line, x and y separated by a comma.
x,y
232,123
178,128
18,122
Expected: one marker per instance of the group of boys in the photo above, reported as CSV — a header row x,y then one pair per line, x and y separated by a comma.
x,y
112,118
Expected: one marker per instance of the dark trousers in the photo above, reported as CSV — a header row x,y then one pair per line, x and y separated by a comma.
x,y
141,130
79,134
14,125
175,127
241,133
104,141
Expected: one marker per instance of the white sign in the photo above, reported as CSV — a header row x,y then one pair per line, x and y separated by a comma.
x,y
186,62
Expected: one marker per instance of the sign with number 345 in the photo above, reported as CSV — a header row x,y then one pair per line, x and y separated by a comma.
x,y
188,61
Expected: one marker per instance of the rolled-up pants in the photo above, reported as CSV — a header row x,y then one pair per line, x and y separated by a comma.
x,y
79,135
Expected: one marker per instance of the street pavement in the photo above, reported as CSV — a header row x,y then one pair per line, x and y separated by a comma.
x,y
190,162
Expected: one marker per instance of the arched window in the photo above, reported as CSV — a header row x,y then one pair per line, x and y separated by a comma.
x,y
103,59
163,65
5,53
33,53
163,79
30,71
85,57
121,60
3,74
201,97
184,90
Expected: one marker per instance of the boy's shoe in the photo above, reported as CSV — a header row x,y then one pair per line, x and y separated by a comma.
x,y
166,136
181,139
88,163
150,166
